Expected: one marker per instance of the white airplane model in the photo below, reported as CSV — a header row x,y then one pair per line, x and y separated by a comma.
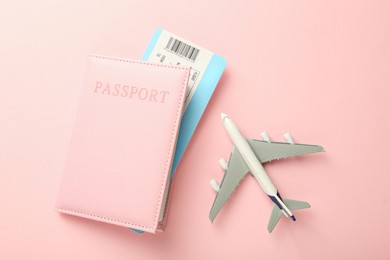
x,y
248,155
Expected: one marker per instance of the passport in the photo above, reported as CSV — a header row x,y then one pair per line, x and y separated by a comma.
x,y
123,143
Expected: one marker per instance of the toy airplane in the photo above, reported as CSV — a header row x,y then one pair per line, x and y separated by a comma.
x,y
248,155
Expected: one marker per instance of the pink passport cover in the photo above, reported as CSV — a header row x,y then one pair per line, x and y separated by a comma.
x,y
123,142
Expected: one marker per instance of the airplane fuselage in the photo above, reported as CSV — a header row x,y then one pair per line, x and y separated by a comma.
x,y
253,163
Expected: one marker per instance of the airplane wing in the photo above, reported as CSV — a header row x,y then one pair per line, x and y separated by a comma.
x,y
237,169
268,151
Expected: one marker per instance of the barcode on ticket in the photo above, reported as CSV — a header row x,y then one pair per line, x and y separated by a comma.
x,y
182,49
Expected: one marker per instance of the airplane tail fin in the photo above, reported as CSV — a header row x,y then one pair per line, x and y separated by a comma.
x,y
277,213
296,204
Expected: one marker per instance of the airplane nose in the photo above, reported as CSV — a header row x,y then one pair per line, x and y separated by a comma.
x,y
223,115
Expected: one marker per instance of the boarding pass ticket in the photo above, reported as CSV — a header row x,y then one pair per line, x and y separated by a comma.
x,y
206,70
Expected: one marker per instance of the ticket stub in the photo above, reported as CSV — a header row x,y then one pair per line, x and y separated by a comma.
x,y
206,70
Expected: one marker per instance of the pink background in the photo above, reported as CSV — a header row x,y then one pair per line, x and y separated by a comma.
x,y
318,69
